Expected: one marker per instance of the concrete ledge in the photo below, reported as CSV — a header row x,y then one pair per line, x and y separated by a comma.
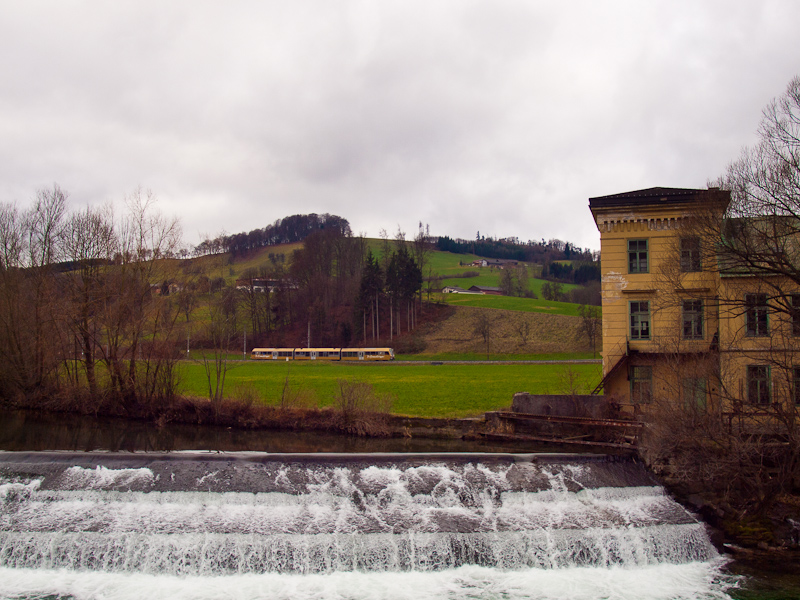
x,y
561,405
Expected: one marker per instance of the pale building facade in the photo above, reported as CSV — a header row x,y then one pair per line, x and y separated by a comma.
x,y
676,324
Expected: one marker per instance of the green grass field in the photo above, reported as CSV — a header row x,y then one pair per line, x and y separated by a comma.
x,y
473,356
510,303
491,278
197,355
419,390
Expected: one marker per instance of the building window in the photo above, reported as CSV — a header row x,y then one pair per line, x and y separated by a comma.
x,y
758,391
796,386
690,254
641,384
756,315
693,319
795,314
637,256
694,394
640,320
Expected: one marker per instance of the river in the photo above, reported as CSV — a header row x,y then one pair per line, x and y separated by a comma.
x,y
451,523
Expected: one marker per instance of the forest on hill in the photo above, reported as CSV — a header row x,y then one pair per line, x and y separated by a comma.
x,y
288,230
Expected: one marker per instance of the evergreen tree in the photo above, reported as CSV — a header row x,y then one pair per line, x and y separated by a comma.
x,y
369,292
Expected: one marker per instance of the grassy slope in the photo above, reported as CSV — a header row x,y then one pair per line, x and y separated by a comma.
x,y
261,257
446,264
511,303
546,333
221,265
419,390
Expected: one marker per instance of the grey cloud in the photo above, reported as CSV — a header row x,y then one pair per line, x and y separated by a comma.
x,y
498,117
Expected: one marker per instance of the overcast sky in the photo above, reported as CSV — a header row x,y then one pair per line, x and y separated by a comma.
x,y
496,116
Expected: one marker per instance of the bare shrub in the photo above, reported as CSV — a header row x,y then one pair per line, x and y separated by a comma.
x,y
360,410
573,383
411,344
245,393
296,397
523,328
744,457
500,426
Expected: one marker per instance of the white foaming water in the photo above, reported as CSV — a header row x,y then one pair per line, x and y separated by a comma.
x,y
432,530
692,581
101,477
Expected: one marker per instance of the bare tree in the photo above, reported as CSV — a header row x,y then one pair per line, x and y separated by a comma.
x,y
483,326
44,226
386,250
31,338
523,279
90,243
523,328
13,313
12,242
138,328
422,249
591,325
220,334
78,288
507,284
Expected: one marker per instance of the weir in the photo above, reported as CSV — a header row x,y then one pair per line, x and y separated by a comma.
x,y
192,514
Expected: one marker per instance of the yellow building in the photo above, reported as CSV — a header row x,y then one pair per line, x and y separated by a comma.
x,y
677,323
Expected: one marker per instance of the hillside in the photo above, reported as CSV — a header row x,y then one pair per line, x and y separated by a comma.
x,y
545,334
446,268
520,325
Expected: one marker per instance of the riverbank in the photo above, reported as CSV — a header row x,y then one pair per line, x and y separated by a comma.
x,y
744,533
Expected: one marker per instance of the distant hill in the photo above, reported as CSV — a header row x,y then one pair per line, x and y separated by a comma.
x,y
288,230
534,252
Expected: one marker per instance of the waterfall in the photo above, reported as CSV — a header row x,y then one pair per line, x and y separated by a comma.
x,y
260,515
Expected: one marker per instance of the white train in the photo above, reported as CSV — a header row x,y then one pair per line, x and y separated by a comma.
x,y
368,354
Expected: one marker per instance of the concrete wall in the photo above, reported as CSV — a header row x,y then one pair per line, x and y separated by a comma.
x,y
561,405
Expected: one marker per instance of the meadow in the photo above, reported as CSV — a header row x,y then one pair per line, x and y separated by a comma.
x,y
451,267
499,357
510,303
427,390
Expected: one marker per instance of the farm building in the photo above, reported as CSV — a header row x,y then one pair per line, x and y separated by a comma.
x,y
485,289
